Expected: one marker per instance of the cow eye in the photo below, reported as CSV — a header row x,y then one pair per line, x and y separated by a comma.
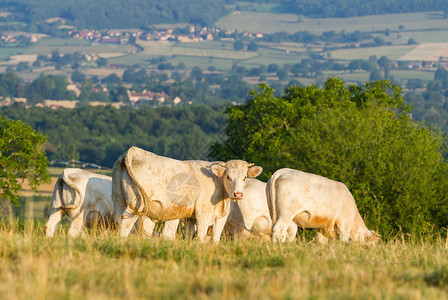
x,y
228,177
245,178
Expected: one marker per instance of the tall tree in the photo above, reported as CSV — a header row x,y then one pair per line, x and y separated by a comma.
x,y
362,136
22,157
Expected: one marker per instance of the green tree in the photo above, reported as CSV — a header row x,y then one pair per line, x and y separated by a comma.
x,y
375,75
101,62
412,41
23,66
196,73
252,46
22,157
78,76
238,45
362,136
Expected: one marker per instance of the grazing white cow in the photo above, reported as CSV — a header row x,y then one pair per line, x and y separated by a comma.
x,y
161,188
84,196
250,214
296,198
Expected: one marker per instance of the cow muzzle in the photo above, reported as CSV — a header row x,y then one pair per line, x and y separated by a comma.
x,y
237,196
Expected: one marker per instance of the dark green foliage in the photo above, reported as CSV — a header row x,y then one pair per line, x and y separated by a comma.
x,y
22,157
238,45
100,134
48,87
352,8
361,136
252,46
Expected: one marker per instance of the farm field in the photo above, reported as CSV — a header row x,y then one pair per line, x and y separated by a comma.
x,y
429,29
271,22
392,52
101,265
46,46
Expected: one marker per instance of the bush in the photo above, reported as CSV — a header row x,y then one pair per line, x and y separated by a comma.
x,y
361,136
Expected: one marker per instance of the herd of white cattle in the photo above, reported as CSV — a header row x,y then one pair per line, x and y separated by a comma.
x,y
146,188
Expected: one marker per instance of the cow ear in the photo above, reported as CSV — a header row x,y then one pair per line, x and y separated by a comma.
x,y
218,170
254,171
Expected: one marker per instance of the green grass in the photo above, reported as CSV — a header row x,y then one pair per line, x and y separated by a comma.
x,y
392,52
413,74
427,36
46,46
6,52
104,266
208,53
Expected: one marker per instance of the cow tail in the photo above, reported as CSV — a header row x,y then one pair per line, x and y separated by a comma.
x,y
56,199
271,194
66,179
145,199
118,198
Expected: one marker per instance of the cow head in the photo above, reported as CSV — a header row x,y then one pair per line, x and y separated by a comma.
x,y
234,174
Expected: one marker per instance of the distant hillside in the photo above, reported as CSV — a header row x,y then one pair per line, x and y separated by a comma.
x,y
349,8
105,14
353,8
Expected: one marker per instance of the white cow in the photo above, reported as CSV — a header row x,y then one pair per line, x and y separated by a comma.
x,y
296,198
84,196
161,188
250,214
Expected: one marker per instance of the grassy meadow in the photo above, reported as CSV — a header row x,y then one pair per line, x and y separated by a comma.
x,y
101,265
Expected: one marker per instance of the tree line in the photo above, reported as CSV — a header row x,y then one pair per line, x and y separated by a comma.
x,y
107,14
100,134
354,8
428,98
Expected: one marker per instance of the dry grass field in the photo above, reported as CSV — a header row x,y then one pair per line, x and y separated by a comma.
x,y
101,265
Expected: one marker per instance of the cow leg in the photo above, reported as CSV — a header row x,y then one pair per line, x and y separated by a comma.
x,y
280,231
170,229
320,235
148,226
190,228
127,222
78,219
218,227
53,222
292,232
202,229
343,232
262,225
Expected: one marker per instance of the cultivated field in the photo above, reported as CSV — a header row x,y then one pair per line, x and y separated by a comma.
x,y
271,22
429,29
46,46
392,52
104,266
